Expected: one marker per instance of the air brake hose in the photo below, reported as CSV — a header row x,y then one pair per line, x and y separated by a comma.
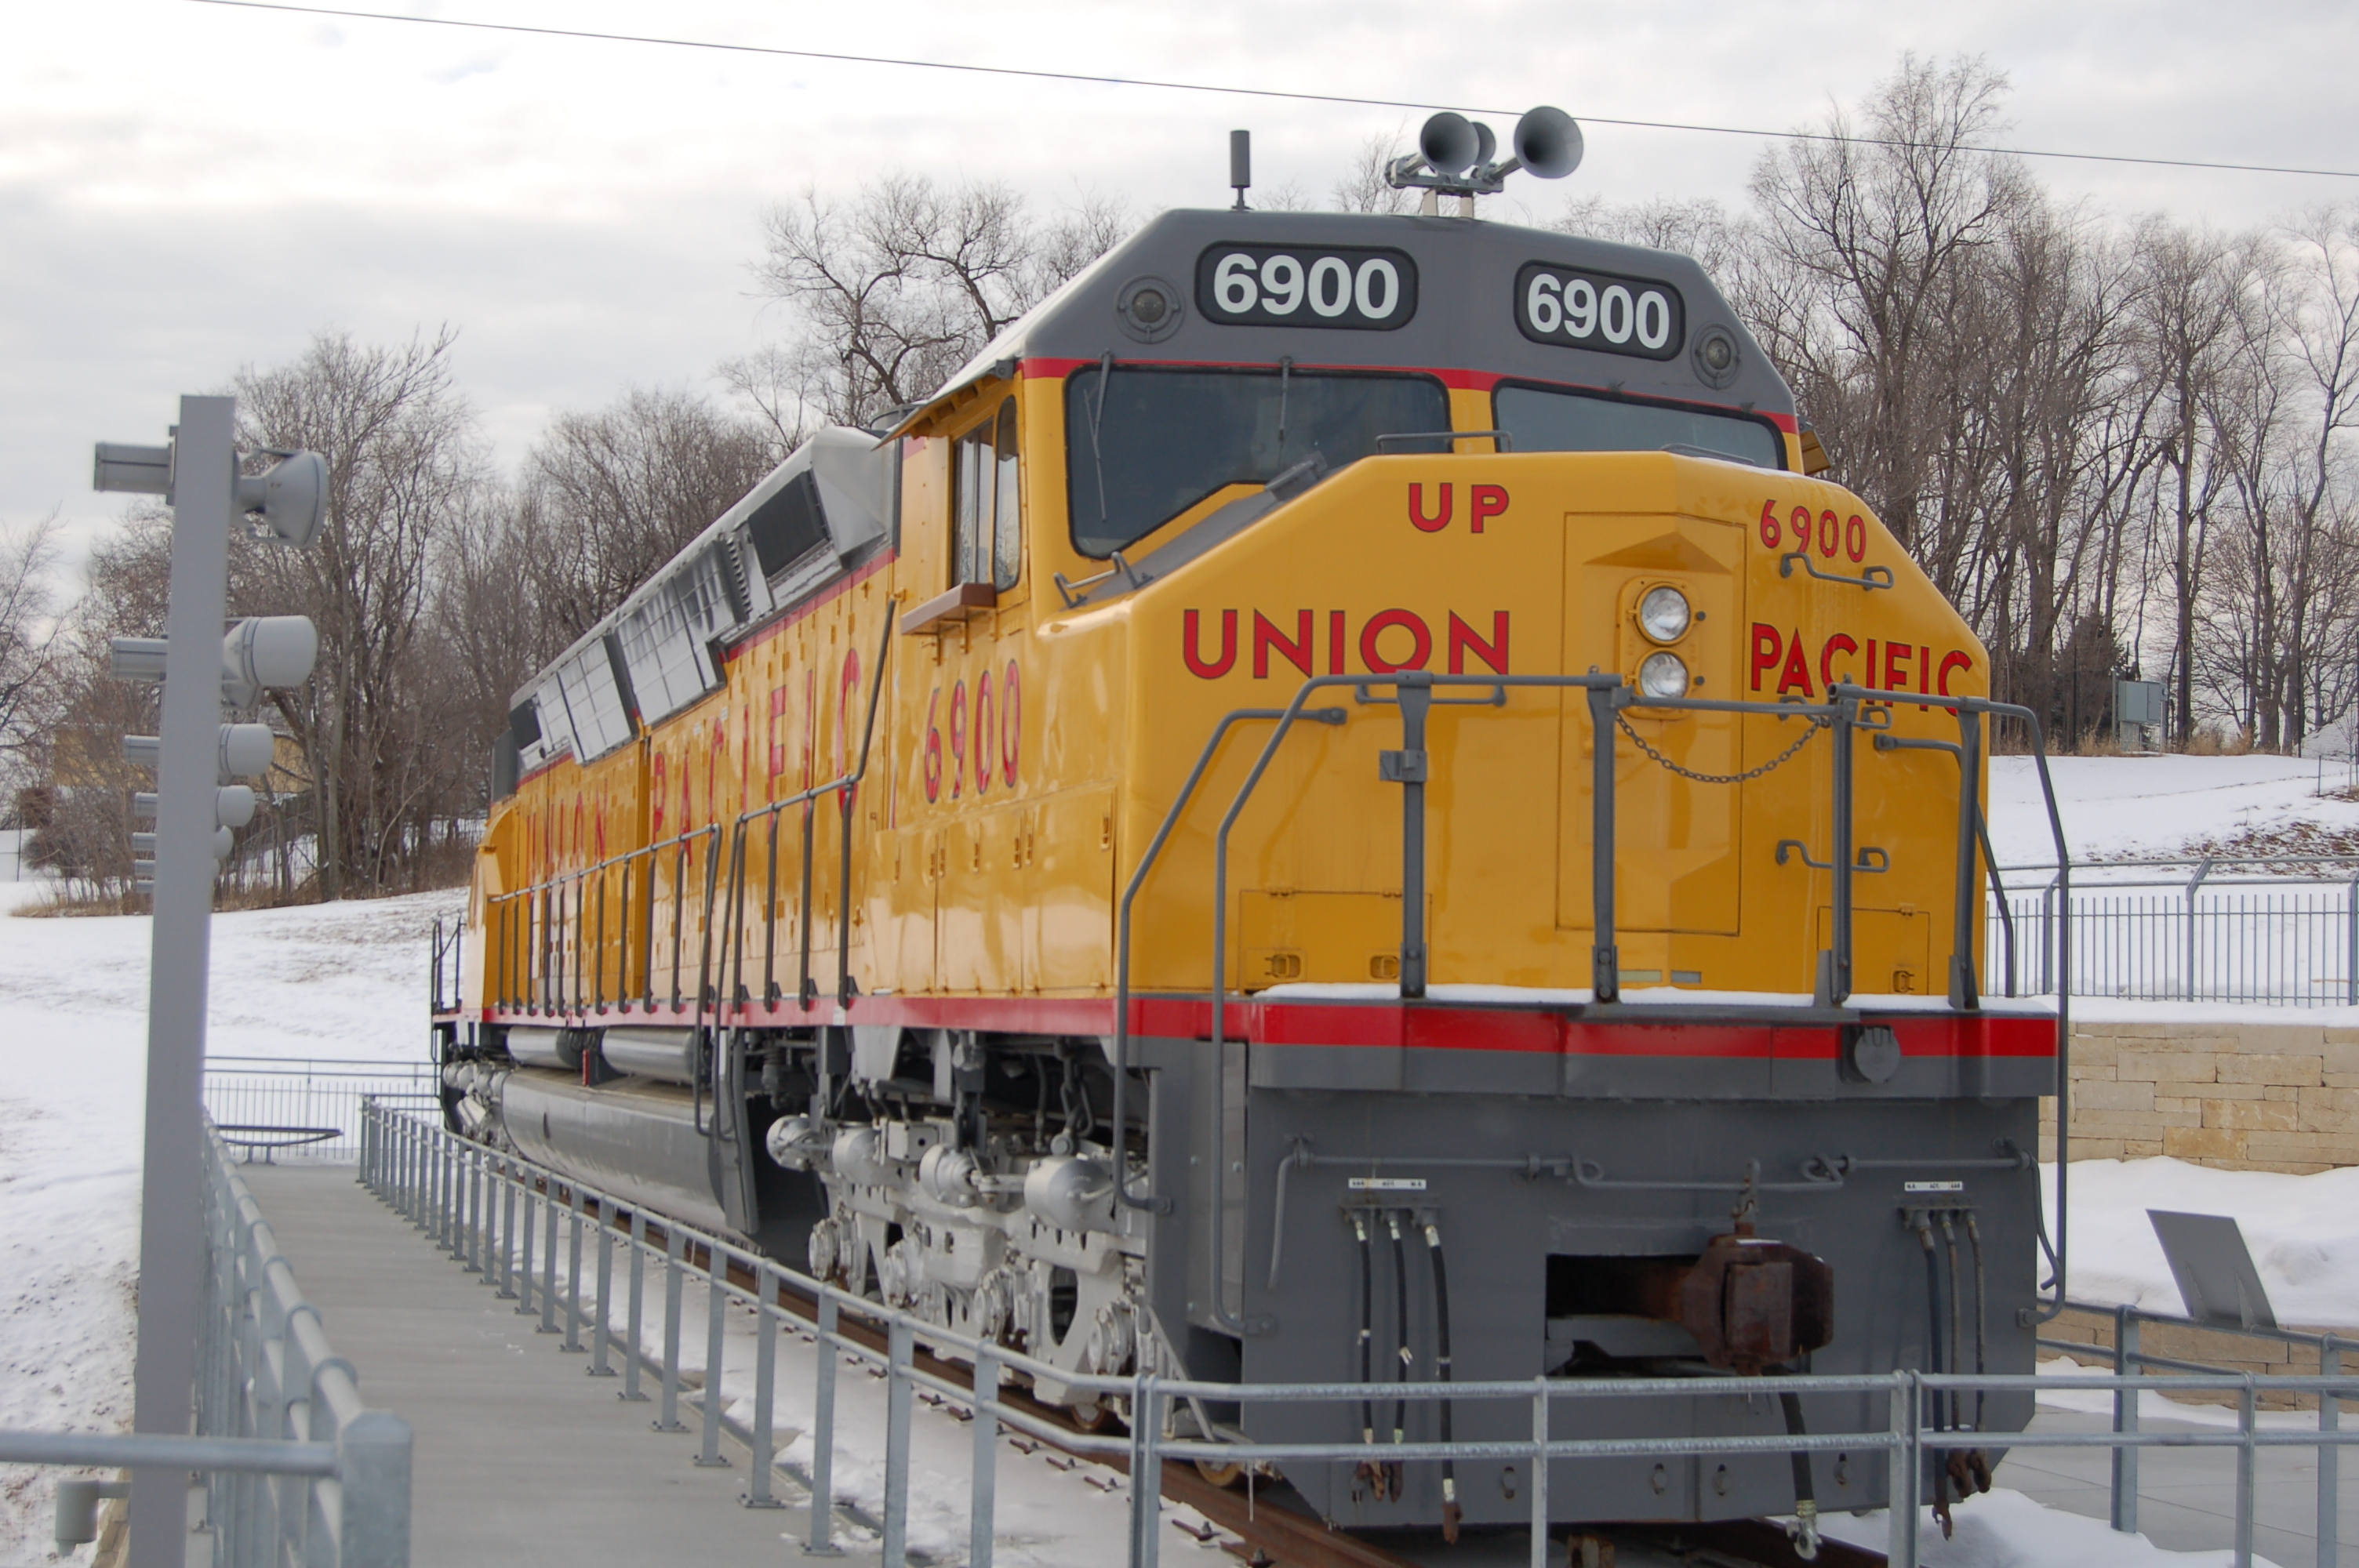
x,y
1806,1498
1932,1311
1957,1307
1367,1328
1974,1239
1939,1459
1408,1362
1451,1511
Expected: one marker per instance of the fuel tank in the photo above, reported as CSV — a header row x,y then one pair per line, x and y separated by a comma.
x,y
638,1141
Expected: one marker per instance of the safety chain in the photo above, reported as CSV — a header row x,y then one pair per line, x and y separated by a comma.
x,y
1779,761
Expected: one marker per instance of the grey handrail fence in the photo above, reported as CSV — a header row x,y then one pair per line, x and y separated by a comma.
x,y
482,1205
2129,1360
2280,930
308,1108
296,1467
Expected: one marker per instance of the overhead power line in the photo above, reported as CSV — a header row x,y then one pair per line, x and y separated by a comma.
x,y
1094,80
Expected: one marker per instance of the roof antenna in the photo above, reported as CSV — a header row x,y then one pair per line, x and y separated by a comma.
x,y
1241,164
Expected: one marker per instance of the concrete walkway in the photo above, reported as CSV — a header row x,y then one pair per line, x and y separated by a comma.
x,y
521,1460
2186,1497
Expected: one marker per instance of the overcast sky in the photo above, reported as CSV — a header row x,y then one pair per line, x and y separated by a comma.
x,y
187,187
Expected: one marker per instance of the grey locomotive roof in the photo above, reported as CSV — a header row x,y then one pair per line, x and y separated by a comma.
x,y
1461,313
1465,315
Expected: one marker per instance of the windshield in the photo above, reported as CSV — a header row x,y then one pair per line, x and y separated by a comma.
x,y
1542,420
1143,445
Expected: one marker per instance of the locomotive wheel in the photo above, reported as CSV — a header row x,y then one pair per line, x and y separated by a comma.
x,y
1231,1474
1095,1415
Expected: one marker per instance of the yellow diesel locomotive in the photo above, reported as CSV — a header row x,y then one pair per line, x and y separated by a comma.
x,y
1335,739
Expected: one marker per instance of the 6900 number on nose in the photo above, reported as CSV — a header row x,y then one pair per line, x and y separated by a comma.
x,y
1268,286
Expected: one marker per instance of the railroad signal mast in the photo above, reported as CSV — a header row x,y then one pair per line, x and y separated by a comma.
x,y
196,809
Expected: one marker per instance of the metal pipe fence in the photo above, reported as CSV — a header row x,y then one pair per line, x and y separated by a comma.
x,y
268,1108
296,1467
479,1204
2278,931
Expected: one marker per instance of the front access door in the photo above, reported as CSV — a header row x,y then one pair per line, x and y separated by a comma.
x,y
1677,839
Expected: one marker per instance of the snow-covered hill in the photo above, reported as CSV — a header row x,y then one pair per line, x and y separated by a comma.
x,y
2125,808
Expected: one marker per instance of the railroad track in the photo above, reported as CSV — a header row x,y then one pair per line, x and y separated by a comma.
x,y
1269,1533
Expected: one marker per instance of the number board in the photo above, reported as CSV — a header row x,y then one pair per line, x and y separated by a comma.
x,y
1599,310
1306,286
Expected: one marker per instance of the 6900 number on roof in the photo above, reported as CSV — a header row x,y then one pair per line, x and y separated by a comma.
x,y
1598,311
1300,286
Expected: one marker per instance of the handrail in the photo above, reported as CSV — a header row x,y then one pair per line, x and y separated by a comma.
x,y
445,1183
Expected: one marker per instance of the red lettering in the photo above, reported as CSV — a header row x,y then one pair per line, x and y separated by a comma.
x,y
1768,526
1895,665
1420,648
958,739
1768,647
1296,650
1416,517
985,712
1924,669
1489,501
1828,540
1011,725
846,698
1870,677
1335,642
1855,537
1796,672
934,762
1198,666
1827,658
1800,523
1462,638
1951,661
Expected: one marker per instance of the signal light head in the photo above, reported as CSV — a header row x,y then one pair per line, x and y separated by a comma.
x,y
1664,614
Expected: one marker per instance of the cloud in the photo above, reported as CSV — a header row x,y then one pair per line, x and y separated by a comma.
x,y
583,211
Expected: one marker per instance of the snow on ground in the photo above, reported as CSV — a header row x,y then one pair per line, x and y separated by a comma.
x,y
2008,1530
2118,808
344,979
2302,1231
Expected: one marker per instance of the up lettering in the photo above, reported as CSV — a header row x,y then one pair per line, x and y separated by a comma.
x,y
1484,502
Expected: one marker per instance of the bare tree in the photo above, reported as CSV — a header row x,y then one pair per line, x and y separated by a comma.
x,y
1362,187
27,638
2192,312
403,459
896,288
616,491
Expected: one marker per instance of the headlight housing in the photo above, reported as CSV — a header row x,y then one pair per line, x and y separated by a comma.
x,y
1664,613
1663,674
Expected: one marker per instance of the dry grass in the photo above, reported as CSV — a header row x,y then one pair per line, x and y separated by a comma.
x,y
63,905
2211,741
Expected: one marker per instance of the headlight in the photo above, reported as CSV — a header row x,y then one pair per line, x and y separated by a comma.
x,y
1664,615
1663,674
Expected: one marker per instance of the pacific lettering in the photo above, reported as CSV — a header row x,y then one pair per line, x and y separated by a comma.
x,y
1785,655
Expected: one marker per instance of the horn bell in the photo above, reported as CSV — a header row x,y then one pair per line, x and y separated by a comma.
x,y
1548,141
1449,143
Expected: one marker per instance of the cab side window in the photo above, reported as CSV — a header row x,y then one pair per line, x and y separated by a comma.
x,y
987,511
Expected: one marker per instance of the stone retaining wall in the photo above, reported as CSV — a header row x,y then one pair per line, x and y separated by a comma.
x,y
2210,1347
2263,1096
